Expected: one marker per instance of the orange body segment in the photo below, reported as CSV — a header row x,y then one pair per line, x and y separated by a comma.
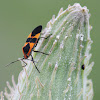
x,y
31,45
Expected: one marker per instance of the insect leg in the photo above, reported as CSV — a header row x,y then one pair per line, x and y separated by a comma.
x,y
30,60
46,37
24,62
42,37
41,52
34,64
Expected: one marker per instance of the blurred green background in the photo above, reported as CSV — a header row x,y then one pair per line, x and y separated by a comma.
x,y
19,17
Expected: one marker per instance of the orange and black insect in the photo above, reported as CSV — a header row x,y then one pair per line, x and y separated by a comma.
x,y
30,44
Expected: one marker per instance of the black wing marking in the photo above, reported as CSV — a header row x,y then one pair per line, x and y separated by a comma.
x,y
36,30
31,40
26,48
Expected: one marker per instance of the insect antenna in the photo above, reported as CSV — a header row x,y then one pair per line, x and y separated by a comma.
x,y
13,62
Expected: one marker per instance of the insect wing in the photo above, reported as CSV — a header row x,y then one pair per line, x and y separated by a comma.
x,y
36,30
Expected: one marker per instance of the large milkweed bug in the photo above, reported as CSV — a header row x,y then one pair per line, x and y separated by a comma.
x,y
30,44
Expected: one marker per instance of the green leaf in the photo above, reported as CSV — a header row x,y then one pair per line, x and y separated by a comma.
x,y
61,74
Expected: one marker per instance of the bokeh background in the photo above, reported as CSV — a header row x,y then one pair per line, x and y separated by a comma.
x,y
19,17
